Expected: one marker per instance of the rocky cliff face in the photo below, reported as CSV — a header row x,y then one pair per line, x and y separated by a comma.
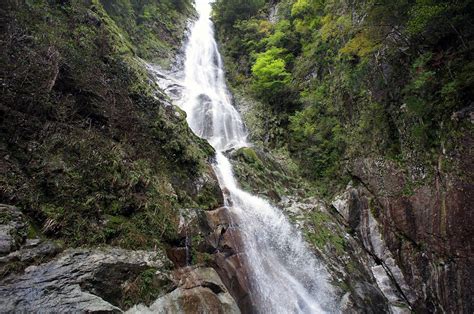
x,y
396,240
422,235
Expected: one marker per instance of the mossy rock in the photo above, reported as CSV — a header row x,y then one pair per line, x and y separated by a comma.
x,y
325,233
259,172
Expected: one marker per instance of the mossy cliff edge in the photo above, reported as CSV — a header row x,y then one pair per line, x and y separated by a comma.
x,y
99,170
91,151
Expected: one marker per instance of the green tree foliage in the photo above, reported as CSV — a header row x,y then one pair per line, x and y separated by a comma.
x,y
242,48
375,78
271,79
229,11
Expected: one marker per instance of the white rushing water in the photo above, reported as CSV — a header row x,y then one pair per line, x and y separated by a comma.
x,y
285,275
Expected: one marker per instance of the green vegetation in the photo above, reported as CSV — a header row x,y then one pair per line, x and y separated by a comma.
x,y
145,288
323,237
269,175
270,78
89,150
344,80
156,28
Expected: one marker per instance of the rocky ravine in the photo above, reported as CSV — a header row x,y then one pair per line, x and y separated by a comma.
x,y
364,284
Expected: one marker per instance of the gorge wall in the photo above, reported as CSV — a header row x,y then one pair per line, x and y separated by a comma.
x,y
96,164
373,103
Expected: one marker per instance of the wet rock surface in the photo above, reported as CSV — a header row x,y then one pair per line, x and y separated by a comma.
x,y
386,272
200,290
229,258
213,238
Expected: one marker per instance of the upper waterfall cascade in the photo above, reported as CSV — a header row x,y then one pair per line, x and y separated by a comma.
x,y
285,276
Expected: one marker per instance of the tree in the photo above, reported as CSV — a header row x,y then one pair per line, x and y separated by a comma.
x,y
270,78
227,12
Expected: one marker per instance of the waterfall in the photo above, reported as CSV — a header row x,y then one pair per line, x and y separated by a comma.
x,y
285,276
206,99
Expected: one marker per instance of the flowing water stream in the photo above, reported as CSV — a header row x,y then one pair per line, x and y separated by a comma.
x,y
285,276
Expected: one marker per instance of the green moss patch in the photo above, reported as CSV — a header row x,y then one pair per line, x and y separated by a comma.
x,y
324,236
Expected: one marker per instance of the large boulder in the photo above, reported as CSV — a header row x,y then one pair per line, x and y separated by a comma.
x,y
229,259
78,280
212,238
200,290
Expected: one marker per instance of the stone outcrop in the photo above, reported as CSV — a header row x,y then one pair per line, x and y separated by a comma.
x,y
13,229
108,279
199,290
229,259
33,251
213,238
18,251
78,280
383,267
422,233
